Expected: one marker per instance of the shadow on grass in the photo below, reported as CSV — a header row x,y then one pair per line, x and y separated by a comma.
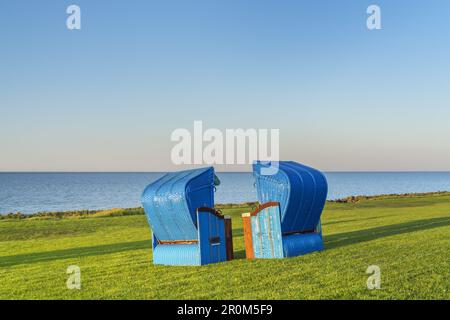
x,y
358,236
355,237
350,220
331,241
238,232
29,258
239,254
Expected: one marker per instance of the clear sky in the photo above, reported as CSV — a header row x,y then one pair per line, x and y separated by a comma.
x,y
107,97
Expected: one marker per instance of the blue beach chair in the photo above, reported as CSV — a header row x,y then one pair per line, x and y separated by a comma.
x,y
287,223
186,229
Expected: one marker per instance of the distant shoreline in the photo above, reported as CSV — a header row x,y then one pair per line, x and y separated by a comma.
x,y
31,193
139,210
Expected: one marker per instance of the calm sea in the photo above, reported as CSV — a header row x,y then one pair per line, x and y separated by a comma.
x,y
34,192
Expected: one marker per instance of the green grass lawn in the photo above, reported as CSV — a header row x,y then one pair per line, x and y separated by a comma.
x,y
407,237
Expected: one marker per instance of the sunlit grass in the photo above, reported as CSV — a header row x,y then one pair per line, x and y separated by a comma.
x,y
407,237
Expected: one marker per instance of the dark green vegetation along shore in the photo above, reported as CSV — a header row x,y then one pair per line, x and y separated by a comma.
x,y
408,237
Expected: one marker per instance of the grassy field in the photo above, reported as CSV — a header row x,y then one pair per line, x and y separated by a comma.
x,y
407,237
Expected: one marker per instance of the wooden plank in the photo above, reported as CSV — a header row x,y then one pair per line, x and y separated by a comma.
x,y
247,224
217,213
264,206
177,241
229,238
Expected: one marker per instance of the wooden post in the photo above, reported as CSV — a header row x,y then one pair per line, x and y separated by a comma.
x,y
247,224
228,238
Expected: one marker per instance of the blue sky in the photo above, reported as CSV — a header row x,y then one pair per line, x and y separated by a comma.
x,y
108,96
